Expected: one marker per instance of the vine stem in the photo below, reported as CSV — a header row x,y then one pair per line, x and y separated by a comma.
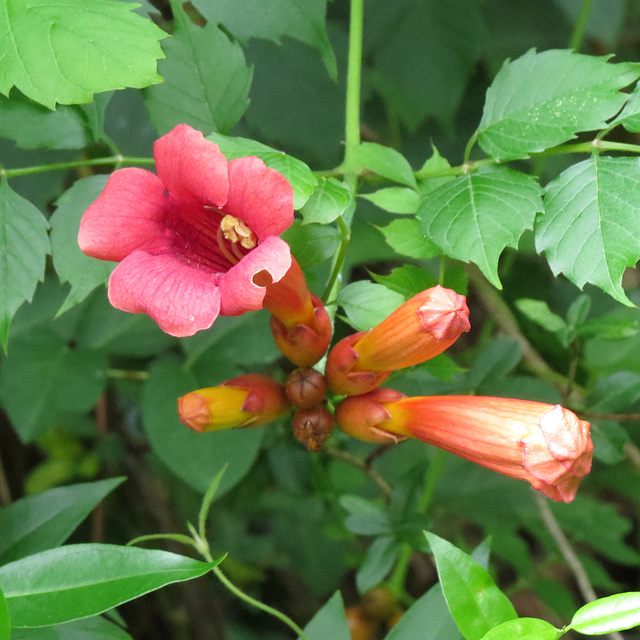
x,y
581,23
74,164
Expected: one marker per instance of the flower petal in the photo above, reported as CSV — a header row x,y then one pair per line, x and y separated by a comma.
x,y
126,216
260,196
238,291
192,167
179,297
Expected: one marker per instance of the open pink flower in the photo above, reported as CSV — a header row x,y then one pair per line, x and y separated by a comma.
x,y
191,239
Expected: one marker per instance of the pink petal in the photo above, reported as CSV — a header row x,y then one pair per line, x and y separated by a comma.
x,y
238,291
126,216
191,167
179,297
260,196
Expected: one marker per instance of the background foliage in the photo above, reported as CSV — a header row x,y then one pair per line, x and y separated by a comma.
x,y
494,159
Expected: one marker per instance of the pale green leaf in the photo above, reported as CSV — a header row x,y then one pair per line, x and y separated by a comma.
x,y
329,201
311,244
543,99
629,117
206,79
524,629
404,237
24,246
386,162
81,580
474,217
65,51
94,628
367,304
395,199
538,311
329,622
591,229
615,613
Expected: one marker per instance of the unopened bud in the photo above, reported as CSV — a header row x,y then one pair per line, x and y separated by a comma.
x,y
306,388
312,427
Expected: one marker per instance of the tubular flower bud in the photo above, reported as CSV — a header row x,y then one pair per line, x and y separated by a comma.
x,y
312,427
418,330
306,388
246,401
549,446
300,324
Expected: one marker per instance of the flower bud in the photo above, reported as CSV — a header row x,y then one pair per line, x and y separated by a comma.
x,y
306,388
418,330
300,324
246,401
312,427
549,446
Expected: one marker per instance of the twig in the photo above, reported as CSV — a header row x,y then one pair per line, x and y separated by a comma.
x,y
370,472
618,417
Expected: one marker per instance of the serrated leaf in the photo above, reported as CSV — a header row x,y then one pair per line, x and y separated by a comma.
x,y
433,165
407,280
629,117
591,229
615,613
206,79
386,162
524,629
405,237
394,199
474,217
477,605
81,580
329,201
303,20
83,273
377,563
329,622
544,99
46,520
65,51
367,304
311,244
301,178
24,246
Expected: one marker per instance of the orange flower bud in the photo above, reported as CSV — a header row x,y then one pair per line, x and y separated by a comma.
x,y
246,401
418,330
549,446
300,324
306,388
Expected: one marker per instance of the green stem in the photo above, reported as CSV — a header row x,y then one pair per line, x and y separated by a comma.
x,y
331,290
74,164
581,23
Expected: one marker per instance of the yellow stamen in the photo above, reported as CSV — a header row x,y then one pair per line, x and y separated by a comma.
x,y
237,231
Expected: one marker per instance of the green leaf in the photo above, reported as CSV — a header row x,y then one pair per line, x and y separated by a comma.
x,y
435,164
329,201
477,605
590,232
94,628
386,162
629,117
24,246
303,20
525,113
615,393
206,79
365,517
428,618
61,380
329,622
404,236
311,244
378,561
81,580
538,311
5,618
33,126
524,629
47,49
82,272
46,520
407,280
192,456
615,613
301,178
474,217
394,199
367,304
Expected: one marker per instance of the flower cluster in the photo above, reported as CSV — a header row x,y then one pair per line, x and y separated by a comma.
x,y
200,239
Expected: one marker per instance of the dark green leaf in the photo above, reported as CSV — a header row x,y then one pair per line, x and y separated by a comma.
x,y
615,613
82,272
303,20
329,201
377,563
477,605
5,618
46,520
609,440
395,199
95,628
192,456
589,232
311,244
525,113
24,246
495,361
367,304
118,46
329,622
81,580
474,217
206,79
404,236
524,629
365,517
386,162
615,393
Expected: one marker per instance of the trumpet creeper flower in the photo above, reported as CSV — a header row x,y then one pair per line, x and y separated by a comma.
x,y
546,445
191,240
